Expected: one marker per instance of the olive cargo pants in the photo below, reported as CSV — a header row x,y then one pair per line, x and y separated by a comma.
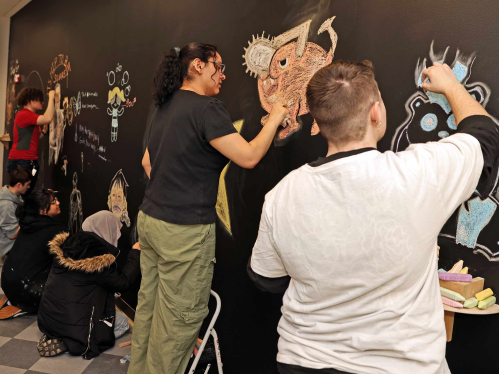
x,y
177,264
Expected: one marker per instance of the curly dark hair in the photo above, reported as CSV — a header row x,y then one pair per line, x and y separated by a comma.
x,y
29,94
175,68
36,201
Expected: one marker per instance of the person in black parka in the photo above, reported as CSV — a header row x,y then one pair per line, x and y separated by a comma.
x,y
29,262
77,311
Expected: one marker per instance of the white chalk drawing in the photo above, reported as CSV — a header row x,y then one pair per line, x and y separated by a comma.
x,y
119,92
429,118
116,200
82,162
65,165
11,94
283,68
57,126
75,208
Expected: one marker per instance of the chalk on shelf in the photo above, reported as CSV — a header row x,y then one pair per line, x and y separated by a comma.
x,y
442,271
471,303
484,294
467,289
464,271
458,266
450,302
484,304
451,294
455,277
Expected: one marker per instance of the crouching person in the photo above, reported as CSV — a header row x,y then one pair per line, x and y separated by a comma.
x,y
77,312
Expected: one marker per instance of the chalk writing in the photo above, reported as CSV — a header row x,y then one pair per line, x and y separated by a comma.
x,y
59,70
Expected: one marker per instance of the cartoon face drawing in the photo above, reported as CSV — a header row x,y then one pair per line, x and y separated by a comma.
x,y
117,197
284,69
57,126
429,116
117,96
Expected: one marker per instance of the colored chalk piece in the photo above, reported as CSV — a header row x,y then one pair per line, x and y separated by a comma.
x,y
458,266
468,290
464,271
451,294
471,303
484,304
442,271
455,277
484,294
450,302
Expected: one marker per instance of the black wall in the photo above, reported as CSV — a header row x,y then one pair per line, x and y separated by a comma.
x,y
97,35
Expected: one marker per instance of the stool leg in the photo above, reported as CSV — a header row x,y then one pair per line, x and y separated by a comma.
x,y
449,323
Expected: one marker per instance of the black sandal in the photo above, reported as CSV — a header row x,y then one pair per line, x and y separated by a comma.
x,y
51,347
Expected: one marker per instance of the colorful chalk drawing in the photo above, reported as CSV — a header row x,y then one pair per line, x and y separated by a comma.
x,y
11,95
116,200
429,118
284,68
222,206
57,126
75,208
118,94
59,70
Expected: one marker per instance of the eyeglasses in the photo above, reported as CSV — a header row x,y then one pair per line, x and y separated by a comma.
x,y
55,201
219,66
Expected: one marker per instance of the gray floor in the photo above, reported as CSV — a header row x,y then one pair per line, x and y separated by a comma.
x,y
18,353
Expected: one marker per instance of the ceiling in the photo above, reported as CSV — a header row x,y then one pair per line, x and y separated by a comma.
x,y
9,7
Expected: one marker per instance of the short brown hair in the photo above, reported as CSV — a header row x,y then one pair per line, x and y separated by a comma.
x,y
19,175
340,96
28,94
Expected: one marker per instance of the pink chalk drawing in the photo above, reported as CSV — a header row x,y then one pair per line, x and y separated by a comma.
x,y
283,68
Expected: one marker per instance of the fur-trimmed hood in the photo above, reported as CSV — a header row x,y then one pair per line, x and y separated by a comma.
x,y
83,251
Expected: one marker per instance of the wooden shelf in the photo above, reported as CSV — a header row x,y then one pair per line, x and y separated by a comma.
x,y
494,309
5,139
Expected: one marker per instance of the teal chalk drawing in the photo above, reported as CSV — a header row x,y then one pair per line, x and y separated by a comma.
x,y
471,221
439,99
460,71
443,134
429,122
418,104
451,122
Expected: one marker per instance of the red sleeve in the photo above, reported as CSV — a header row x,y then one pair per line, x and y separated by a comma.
x,y
26,118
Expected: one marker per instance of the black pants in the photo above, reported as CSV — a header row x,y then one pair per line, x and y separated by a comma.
x,y
293,369
28,166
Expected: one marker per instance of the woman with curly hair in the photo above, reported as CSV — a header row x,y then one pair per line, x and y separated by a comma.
x,y
189,141
24,152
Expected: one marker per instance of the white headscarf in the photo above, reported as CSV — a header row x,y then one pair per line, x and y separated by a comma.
x,y
105,224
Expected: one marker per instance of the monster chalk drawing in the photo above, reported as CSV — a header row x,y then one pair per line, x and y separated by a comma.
x,y
75,208
57,126
117,197
283,68
429,118
118,97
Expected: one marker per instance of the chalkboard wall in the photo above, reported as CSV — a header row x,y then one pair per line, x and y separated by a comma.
x,y
92,47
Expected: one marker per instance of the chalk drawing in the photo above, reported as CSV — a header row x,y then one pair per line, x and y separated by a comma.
x,y
11,94
59,70
284,68
89,139
471,220
222,205
117,198
82,162
429,117
57,126
75,208
65,165
118,79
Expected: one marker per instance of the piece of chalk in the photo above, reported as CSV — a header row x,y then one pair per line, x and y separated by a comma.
x,y
471,303
464,271
125,344
451,294
455,277
452,303
484,304
482,295
458,266
442,271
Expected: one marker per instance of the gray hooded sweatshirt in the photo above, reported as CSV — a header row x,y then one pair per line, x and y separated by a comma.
x,y
8,219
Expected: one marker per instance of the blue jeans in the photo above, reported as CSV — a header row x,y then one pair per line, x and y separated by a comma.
x,y
28,166
120,325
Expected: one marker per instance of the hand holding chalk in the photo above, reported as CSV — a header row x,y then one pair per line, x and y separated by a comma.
x,y
278,113
439,78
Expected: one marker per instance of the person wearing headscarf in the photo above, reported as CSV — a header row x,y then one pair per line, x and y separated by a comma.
x,y
77,312
28,264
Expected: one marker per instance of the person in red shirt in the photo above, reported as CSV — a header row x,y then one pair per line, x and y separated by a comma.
x,y
24,152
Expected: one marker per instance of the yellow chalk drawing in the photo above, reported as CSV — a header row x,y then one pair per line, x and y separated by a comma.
x,y
222,206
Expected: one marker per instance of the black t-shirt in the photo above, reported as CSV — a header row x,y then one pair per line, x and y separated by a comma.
x,y
185,167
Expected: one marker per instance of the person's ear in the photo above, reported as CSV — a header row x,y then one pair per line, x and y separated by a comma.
x,y
375,114
198,65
